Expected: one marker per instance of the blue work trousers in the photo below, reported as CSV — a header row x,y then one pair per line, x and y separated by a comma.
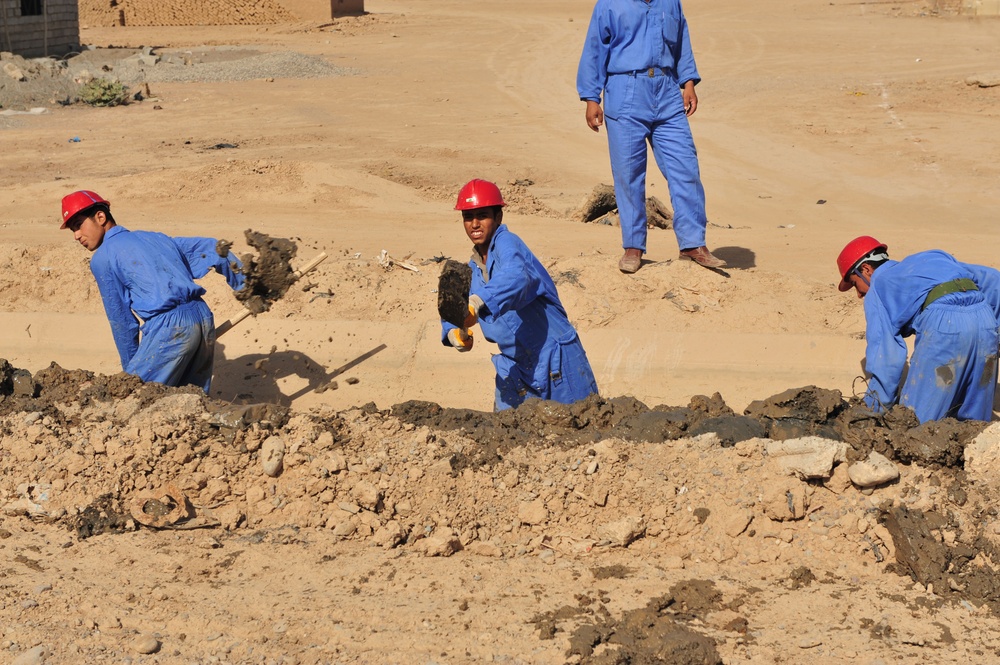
x,y
177,347
570,378
953,371
639,108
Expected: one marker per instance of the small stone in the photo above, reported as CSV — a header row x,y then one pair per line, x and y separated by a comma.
x,y
345,529
444,543
272,454
33,656
481,548
592,468
623,531
349,507
533,512
146,644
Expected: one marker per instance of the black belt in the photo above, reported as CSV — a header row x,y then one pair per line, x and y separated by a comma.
x,y
943,289
648,71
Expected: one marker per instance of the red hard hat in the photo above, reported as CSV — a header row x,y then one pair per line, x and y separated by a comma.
x,y
852,254
479,194
78,201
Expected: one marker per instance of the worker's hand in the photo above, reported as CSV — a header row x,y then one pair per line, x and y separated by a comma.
x,y
690,98
460,339
595,116
475,305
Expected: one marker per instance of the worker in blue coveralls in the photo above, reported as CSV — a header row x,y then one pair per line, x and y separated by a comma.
x,y
151,276
515,302
952,309
637,52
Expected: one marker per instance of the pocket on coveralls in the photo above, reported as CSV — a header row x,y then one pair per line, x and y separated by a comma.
x,y
671,30
618,92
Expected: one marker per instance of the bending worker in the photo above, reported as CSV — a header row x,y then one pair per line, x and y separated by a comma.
x,y
515,302
638,53
151,276
950,306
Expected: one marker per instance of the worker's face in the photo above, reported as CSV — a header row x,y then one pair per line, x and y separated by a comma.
x,y
481,224
89,231
861,279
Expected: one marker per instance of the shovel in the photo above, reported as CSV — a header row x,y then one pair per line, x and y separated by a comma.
x,y
226,325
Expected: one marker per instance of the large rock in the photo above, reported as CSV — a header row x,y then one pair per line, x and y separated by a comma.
x,y
872,472
807,457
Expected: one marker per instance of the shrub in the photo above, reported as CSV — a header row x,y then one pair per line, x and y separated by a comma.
x,y
102,92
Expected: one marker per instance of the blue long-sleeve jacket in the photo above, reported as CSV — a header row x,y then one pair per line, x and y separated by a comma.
x,y
629,35
525,317
895,298
988,281
149,273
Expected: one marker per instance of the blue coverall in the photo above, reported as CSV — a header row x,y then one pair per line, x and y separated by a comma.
x,y
953,371
152,275
540,352
625,41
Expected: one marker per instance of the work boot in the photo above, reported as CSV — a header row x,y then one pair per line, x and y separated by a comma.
x,y
703,257
631,261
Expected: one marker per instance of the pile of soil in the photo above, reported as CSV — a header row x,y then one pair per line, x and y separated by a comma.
x,y
547,480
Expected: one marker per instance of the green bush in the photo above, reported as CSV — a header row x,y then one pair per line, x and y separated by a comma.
x,y
102,92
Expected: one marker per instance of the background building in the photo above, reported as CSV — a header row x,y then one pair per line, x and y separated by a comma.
x,y
33,28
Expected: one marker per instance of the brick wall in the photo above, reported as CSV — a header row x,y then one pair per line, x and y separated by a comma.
x,y
55,32
110,13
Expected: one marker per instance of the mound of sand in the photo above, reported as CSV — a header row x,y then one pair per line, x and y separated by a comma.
x,y
601,481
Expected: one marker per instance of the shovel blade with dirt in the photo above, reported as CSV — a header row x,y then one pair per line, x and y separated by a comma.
x,y
453,292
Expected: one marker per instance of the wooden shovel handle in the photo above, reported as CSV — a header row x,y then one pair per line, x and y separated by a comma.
x,y
229,323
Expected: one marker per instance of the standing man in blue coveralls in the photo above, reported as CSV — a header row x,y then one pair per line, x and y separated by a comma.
x,y
515,302
638,53
151,276
951,306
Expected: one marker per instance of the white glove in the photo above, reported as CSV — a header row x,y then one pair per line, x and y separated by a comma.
x,y
460,339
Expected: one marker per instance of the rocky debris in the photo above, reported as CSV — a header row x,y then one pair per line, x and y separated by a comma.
x,y
547,480
40,82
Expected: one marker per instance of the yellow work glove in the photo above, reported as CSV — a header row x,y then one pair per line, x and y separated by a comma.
x,y
460,339
475,304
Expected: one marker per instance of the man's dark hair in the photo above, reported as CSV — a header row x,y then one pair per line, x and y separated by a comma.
x,y
92,210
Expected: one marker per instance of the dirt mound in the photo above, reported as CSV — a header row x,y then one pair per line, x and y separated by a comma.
x,y
109,455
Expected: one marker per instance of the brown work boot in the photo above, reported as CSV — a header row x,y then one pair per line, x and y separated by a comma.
x,y
631,261
703,257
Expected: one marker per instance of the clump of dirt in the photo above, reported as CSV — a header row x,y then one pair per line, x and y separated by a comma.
x,y
104,515
602,207
453,292
651,634
797,412
269,274
941,567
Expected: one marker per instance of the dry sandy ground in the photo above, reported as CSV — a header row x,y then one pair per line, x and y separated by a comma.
x,y
818,121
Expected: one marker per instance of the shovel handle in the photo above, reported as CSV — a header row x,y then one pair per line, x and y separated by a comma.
x,y
229,323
